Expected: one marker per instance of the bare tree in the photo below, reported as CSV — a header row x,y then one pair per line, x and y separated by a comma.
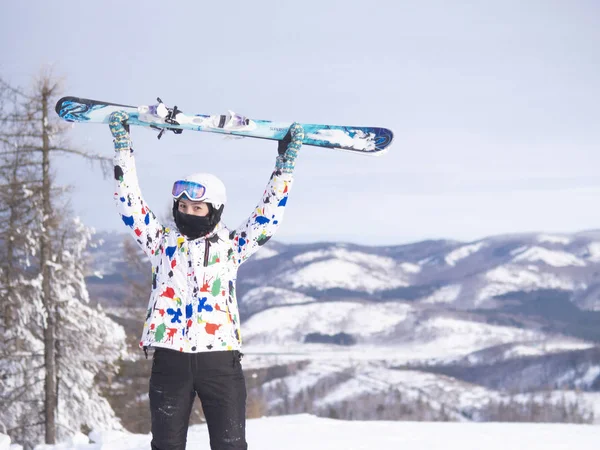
x,y
32,267
20,359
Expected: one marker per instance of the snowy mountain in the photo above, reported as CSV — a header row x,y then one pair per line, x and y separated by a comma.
x,y
466,276
450,330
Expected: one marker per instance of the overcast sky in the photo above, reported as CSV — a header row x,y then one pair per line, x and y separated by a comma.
x,y
495,106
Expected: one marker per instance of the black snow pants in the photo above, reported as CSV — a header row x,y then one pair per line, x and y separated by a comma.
x,y
217,378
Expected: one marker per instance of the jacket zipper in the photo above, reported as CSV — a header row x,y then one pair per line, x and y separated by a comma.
x,y
206,251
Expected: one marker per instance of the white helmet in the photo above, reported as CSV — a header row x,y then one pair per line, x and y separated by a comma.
x,y
201,187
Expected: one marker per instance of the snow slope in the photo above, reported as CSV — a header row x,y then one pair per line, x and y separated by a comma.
x,y
462,252
511,278
265,253
554,239
446,294
301,432
340,268
594,251
334,273
547,346
266,296
552,258
377,328
289,324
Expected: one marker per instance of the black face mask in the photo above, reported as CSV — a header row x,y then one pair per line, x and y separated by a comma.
x,y
194,227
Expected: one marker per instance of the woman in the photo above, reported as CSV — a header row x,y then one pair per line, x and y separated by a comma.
x,y
192,321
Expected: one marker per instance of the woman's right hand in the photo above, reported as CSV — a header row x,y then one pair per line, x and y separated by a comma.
x,y
117,122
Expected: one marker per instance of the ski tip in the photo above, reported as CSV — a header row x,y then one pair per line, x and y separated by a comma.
x,y
385,137
368,141
69,107
61,102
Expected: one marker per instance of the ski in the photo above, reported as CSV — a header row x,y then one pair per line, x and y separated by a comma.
x,y
358,139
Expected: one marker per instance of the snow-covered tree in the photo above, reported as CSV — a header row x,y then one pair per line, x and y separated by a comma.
x,y
88,341
21,347
54,343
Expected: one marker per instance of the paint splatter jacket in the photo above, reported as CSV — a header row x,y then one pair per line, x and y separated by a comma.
x,y
193,306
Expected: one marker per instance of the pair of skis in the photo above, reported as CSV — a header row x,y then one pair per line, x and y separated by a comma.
x,y
363,140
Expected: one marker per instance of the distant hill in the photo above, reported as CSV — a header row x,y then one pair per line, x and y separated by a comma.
x,y
457,330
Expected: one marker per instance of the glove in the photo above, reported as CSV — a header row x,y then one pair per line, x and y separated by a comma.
x,y
117,122
288,148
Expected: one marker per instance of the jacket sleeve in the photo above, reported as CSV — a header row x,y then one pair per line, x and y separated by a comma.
x,y
266,218
142,223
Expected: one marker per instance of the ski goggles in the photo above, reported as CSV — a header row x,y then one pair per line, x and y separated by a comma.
x,y
193,191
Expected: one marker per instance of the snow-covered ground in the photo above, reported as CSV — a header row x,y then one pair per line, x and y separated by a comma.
x,y
301,432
